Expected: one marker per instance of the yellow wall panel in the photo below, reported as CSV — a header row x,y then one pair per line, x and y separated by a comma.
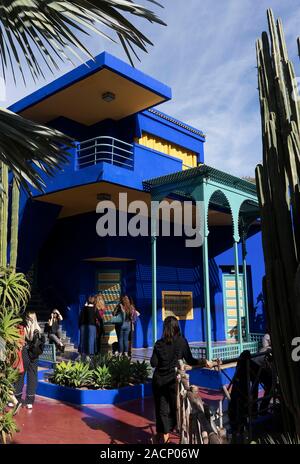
x,y
188,158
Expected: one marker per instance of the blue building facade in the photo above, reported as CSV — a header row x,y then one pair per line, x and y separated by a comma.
x,y
123,139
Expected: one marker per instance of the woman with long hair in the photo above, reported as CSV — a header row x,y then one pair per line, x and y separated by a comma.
x,y
88,331
53,329
33,347
166,353
100,308
126,313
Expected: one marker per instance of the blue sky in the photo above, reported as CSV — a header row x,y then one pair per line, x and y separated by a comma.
x,y
206,55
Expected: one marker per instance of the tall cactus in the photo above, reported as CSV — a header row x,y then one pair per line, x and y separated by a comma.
x,y
279,195
14,224
8,212
3,213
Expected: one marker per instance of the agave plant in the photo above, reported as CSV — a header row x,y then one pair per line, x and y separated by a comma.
x,y
35,31
141,371
121,371
71,374
14,290
10,335
101,377
9,326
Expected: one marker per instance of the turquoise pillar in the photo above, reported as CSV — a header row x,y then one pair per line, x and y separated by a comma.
x,y
154,209
154,290
245,287
207,297
202,196
237,295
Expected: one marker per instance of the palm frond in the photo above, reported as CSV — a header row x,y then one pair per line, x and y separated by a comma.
x,y
30,149
47,29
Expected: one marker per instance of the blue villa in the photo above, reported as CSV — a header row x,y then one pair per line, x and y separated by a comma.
x,y
125,143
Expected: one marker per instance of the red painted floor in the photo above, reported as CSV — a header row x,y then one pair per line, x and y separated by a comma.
x,y
51,422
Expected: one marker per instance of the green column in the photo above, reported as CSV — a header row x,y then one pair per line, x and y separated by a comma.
x,y
154,290
245,287
206,297
154,213
237,295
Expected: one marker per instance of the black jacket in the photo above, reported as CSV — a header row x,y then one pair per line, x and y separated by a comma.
x,y
89,316
165,358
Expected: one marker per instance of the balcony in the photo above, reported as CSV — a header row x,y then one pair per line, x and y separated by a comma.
x,y
105,149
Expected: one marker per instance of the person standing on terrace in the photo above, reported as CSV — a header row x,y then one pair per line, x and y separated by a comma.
x,y
88,319
166,354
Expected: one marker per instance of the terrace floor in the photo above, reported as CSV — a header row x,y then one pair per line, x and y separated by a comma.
x,y
52,422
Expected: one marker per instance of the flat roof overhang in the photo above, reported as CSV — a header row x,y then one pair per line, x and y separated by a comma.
x,y
84,199
77,95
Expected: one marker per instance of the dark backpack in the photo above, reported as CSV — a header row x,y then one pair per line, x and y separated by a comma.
x,y
36,346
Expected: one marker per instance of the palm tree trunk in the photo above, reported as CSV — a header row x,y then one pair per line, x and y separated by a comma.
x,y
4,214
14,224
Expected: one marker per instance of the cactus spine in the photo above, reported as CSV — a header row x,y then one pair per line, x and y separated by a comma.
x,y
279,195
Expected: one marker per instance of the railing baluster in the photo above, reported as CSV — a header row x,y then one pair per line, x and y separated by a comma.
x,y
106,149
112,151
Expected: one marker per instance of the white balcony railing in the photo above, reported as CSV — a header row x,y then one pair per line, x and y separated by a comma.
x,y
107,149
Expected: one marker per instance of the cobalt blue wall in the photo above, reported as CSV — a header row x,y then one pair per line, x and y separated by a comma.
x,y
220,243
73,240
61,267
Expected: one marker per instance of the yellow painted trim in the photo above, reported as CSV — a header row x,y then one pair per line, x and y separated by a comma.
x,y
189,158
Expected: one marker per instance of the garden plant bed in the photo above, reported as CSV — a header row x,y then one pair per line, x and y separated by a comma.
x,y
104,380
87,396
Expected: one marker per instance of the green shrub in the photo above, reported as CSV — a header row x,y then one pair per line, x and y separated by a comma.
x,y
118,372
14,289
7,426
14,294
140,371
101,377
71,374
101,360
121,371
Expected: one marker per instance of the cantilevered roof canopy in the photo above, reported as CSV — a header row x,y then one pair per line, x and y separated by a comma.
x,y
78,94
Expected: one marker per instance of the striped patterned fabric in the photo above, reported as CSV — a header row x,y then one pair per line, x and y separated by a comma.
x,y
109,284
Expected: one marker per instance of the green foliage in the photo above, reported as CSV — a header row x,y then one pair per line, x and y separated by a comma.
x,y
101,360
7,426
141,371
8,327
282,439
14,290
101,377
121,371
71,374
8,376
115,373
277,180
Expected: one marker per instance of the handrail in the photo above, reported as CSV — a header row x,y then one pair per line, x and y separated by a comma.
x,y
107,149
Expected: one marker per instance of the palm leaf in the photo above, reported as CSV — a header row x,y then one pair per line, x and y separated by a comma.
x,y
30,149
43,28
31,30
